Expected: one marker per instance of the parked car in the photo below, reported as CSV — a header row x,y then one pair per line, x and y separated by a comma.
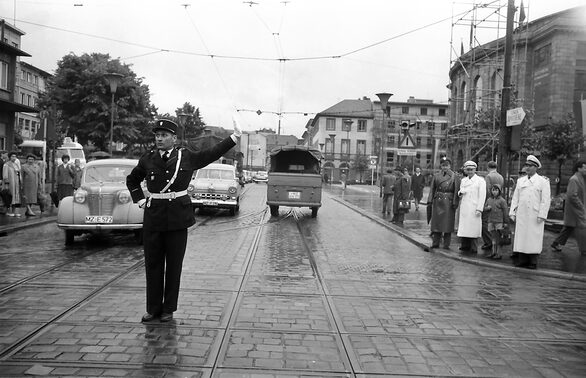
x,y
260,176
102,203
215,186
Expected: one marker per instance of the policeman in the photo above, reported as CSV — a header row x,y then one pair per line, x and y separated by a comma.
x,y
168,212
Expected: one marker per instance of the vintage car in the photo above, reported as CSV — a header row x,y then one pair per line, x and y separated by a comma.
x,y
215,186
260,176
102,203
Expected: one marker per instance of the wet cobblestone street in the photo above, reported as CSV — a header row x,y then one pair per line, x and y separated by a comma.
x,y
339,295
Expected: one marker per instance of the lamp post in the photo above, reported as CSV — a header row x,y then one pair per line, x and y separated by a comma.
x,y
384,99
113,80
332,138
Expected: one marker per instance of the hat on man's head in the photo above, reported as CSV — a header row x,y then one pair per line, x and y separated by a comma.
x,y
470,164
445,160
532,160
166,125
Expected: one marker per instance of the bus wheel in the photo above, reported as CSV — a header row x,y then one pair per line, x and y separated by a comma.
x,y
314,212
274,210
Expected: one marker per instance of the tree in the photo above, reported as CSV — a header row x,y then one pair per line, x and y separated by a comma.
x,y
192,123
82,97
360,164
561,141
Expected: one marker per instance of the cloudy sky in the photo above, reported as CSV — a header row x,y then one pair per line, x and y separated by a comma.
x,y
289,57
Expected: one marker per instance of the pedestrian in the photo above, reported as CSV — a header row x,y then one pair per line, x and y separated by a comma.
x,y
417,185
168,212
343,180
64,178
472,195
529,208
31,184
77,173
11,176
496,208
442,203
4,194
387,184
491,178
402,196
574,209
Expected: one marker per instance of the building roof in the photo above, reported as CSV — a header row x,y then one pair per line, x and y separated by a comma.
x,y
350,109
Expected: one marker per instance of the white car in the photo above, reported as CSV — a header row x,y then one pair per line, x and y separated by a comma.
x,y
260,176
215,186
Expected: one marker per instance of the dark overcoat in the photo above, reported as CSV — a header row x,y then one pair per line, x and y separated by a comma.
x,y
417,185
165,214
443,197
574,210
402,190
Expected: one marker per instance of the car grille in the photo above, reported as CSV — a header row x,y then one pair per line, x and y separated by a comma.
x,y
213,196
101,204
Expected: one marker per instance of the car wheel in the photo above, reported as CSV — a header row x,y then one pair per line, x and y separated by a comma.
x,y
232,211
274,210
138,235
69,237
314,212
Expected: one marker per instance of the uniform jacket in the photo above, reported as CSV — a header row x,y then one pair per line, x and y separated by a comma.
x,y
575,210
531,200
388,183
443,197
175,214
497,210
417,185
473,196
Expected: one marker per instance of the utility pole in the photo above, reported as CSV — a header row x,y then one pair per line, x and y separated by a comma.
x,y
505,132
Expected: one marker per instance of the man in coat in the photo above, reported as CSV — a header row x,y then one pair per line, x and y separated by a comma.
x,y
529,208
387,184
402,192
492,178
472,195
574,209
168,212
443,201
417,185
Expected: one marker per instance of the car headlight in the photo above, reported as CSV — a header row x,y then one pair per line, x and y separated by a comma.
x,y
124,196
190,189
80,196
232,189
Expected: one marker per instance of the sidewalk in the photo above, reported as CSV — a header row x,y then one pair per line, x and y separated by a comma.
x,y
365,198
11,224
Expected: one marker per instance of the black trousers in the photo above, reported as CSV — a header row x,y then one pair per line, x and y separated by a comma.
x,y
468,244
564,235
486,235
437,236
163,256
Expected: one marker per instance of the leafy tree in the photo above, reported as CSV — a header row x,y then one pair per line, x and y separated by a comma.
x,y
561,141
82,97
360,164
188,117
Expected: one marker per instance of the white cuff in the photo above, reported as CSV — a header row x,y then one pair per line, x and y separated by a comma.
x,y
234,138
141,202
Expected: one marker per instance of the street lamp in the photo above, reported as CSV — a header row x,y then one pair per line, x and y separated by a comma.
x,y
384,99
113,80
332,137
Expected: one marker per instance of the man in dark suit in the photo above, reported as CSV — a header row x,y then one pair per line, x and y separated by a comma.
x,y
168,212
417,185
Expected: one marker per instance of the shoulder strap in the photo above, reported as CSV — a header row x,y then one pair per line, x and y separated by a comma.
x,y
174,174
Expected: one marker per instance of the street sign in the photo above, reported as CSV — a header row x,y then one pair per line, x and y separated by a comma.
x,y
373,160
406,152
407,140
515,116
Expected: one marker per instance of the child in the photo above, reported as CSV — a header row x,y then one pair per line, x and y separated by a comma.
x,y
497,218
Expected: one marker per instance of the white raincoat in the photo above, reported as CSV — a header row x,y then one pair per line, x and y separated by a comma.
x,y
531,200
472,196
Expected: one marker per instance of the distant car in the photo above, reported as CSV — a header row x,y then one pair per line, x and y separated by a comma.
x,y
260,176
215,186
102,203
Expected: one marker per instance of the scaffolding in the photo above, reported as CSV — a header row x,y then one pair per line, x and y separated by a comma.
x,y
484,26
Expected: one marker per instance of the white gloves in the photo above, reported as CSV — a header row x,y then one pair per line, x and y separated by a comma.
x,y
237,129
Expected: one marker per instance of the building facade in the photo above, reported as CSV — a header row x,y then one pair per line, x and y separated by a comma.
x,y
31,82
548,77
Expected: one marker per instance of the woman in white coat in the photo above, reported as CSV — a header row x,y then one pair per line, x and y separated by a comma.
x,y
472,197
529,208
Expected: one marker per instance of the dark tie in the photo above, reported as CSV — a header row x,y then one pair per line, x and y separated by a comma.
x,y
166,156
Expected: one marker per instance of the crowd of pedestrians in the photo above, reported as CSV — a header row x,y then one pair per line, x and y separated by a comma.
x,y
22,184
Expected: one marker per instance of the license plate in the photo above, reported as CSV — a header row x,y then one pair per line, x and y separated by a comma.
x,y
294,195
210,203
99,219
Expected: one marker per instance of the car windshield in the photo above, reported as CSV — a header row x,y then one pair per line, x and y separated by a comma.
x,y
217,174
107,173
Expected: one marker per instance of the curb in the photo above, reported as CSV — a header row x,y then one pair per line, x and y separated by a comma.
x,y
423,243
17,226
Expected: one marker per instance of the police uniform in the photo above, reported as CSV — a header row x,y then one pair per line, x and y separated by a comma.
x,y
443,201
167,215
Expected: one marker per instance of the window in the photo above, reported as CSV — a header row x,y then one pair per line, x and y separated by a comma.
x,y
361,147
23,98
390,158
23,75
423,111
330,124
3,75
29,100
418,141
29,77
329,146
405,110
542,57
430,126
429,142
36,80
27,125
442,112
391,141
346,146
428,159
418,125
444,126
362,125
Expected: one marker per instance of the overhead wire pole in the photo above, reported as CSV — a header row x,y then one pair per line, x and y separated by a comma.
x,y
505,138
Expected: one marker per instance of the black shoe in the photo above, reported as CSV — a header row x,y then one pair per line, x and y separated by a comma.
x,y
447,247
148,318
556,247
497,257
166,317
487,246
531,266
